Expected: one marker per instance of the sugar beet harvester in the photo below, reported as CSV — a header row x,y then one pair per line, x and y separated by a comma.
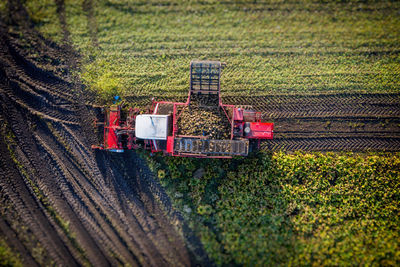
x,y
202,127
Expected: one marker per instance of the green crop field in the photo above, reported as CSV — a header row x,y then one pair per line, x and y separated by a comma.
x,y
144,47
268,209
298,209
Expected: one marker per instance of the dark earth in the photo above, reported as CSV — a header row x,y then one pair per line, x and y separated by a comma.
x,y
63,204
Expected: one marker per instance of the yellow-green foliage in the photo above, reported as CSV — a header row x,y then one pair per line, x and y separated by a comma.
x,y
43,14
7,256
100,76
347,206
292,209
270,47
3,7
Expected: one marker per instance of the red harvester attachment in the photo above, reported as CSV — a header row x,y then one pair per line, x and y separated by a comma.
x,y
165,127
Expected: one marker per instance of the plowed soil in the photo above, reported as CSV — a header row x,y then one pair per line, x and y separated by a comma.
x,y
61,203
339,122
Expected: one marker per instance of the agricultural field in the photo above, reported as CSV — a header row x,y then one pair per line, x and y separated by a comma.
x,y
290,209
144,47
324,191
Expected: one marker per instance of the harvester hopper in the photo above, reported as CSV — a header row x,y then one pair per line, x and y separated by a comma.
x,y
200,127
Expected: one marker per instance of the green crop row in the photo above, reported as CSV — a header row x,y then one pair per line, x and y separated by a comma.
x,y
144,48
290,209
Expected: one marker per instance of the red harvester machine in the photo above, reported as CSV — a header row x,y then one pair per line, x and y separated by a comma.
x,y
158,130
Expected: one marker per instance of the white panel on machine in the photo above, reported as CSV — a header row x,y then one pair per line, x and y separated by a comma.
x,y
148,126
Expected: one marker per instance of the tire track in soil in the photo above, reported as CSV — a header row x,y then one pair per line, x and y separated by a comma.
x,y
88,8
74,197
334,144
50,149
322,106
350,126
351,122
63,22
11,237
32,213
142,181
86,211
40,171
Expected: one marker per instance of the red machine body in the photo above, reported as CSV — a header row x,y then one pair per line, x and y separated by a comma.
x,y
158,130
110,133
260,130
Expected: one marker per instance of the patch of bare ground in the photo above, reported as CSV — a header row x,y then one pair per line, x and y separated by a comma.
x,y
66,204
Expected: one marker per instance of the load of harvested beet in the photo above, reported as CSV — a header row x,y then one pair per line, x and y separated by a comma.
x,y
204,118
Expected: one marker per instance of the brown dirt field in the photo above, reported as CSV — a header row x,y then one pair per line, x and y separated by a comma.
x,y
62,203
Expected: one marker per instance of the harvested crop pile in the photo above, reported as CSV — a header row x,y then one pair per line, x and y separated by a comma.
x,y
204,119
204,101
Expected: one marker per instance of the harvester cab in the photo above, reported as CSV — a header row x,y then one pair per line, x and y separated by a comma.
x,y
152,127
201,127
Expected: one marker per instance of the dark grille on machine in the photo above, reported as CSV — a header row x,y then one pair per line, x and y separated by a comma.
x,y
205,77
211,147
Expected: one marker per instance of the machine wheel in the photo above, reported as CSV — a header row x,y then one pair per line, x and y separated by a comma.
x,y
254,145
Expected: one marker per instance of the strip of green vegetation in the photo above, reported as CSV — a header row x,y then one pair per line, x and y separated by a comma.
x,y
7,256
270,47
290,209
3,7
44,14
